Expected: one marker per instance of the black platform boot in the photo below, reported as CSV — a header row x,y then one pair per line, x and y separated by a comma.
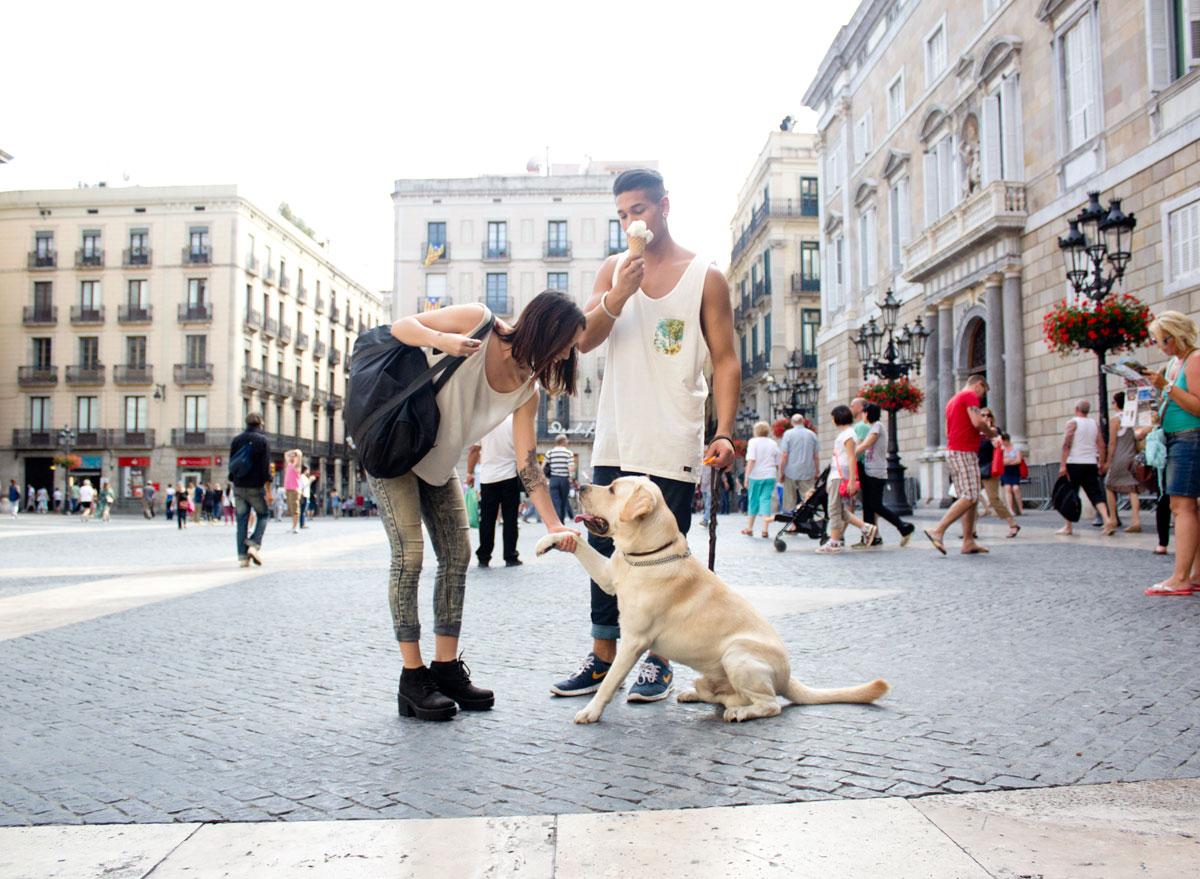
x,y
419,696
454,679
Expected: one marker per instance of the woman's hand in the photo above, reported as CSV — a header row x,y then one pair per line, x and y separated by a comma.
x,y
567,545
1158,379
457,344
851,488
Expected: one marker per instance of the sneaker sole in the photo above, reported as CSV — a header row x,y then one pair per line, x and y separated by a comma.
x,y
638,697
408,709
586,691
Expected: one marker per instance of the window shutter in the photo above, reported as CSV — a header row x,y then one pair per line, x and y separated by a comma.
x,y
1193,33
1010,128
1158,43
905,220
872,246
993,141
869,134
894,224
932,209
946,194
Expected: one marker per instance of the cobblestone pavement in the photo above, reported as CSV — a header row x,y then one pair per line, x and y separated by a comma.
x,y
273,696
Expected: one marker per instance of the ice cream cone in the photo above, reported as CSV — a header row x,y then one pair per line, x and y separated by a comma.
x,y
637,246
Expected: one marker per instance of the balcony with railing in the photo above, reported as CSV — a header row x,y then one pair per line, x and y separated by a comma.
x,y
220,438
285,282
424,255
319,304
193,373
87,314
85,374
47,260
808,361
252,322
96,438
335,356
995,211
133,374
552,250
251,264
349,322
335,314
318,350
135,314
302,392
758,219
34,439
133,439
37,376
270,328
802,283
301,342
137,257
759,291
335,400
197,256
287,387
194,314
89,258
273,384
285,336
320,397
301,294
499,305
269,275
39,315
762,362
496,252
253,379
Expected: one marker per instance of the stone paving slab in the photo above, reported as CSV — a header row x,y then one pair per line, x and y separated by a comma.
x,y
273,698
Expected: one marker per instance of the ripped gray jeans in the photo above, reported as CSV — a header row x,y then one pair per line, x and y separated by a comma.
x,y
404,502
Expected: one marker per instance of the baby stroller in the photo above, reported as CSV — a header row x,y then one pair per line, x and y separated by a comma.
x,y
810,517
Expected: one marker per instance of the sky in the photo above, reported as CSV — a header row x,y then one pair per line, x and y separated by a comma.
x,y
325,105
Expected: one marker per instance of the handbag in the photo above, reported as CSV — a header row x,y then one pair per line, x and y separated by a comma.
x,y
391,412
471,502
837,462
1024,469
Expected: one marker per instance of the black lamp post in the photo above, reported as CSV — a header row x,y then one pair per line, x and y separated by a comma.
x,y
1094,235
796,394
66,439
900,356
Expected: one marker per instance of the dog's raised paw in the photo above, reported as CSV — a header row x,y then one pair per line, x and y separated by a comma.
x,y
546,543
587,716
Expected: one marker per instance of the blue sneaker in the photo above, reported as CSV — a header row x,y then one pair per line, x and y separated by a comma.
x,y
654,680
586,680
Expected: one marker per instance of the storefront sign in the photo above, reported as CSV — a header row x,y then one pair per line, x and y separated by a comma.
x,y
133,462
91,462
193,462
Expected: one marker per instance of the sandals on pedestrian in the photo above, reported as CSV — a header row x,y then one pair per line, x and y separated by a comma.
x,y
1160,550
1163,589
748,532
1014,530
937,543
766,535
1134,529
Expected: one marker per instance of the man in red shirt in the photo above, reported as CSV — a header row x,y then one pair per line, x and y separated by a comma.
x,y
964,427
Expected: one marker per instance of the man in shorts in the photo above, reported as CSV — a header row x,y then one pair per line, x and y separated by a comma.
x,y
965,425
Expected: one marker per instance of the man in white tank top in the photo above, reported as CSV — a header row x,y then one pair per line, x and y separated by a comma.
x,y
660,316
1082,452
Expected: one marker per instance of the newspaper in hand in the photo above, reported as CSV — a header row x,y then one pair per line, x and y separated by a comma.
x,y
1130,370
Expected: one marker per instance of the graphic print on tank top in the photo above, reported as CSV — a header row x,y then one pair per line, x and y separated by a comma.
x,y
668,336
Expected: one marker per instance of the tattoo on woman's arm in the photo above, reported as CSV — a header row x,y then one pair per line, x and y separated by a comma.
x,y
531,474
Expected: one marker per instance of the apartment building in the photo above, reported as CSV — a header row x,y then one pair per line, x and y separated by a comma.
x,y
501,240
150,321
775,267
956,140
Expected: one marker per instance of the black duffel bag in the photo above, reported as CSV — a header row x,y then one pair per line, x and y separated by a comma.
x,y
391,412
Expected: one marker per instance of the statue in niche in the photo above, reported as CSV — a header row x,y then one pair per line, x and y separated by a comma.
x,y
969,152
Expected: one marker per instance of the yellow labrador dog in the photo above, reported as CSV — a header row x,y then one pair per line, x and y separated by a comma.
x,y
671,604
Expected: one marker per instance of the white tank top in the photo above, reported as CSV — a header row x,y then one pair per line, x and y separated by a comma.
x,y
1084,449
469,408
651,412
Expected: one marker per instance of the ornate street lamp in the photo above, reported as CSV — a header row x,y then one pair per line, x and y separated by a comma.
x,y
66,439
1094,236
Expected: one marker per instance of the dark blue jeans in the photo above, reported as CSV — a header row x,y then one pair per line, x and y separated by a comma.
x,y
245,500
678,495
560,496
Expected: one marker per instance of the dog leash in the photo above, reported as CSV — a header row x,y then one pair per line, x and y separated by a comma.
x,y
713,494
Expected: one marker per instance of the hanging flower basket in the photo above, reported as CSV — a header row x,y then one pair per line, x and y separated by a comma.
x,y
780,426
739,448
71,462
1117,323
898,394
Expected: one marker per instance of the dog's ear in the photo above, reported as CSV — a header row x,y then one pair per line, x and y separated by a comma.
x,y
639,504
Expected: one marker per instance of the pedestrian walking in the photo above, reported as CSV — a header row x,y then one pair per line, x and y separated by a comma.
x,y
1012,459
843,485
43,500
799,462
305,494
73,498
14,498
1083,449
58,499
991,464
492,463
30,498
559,461
1119,478
293,466
1179,417
105,500
250,473
227,510
762,470
501,374
150,495
169,503
87,500
965,427
874,478
183,504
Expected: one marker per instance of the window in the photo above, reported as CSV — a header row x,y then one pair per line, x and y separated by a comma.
x,y
1079,94
497,239
39,414
556,281
135,352
1001,135
436,234
766,271
197,292
831,388
935,53
895,100
810,324
91,245
866,247
941,174
195,414
43,243
138,294
43,353
1183,244
862,138
497,291
139,244
1173,40
990,6
754,340
197,350
808,196
837,271
835,163
198,242
87,413
898,220
135,414
767,338
556,237
89,295
810,265
742,339
616,237
43,298
435,286
89,352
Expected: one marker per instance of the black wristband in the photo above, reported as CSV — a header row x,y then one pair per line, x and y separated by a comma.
x,y
721,436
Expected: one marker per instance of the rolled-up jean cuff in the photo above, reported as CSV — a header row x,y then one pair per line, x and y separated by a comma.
x,y
606,633
449,629
408,633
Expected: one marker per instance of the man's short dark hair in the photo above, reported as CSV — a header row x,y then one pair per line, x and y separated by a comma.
x,y
254,420
650,182
842,416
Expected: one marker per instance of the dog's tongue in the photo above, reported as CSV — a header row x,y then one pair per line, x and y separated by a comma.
x,y
585,518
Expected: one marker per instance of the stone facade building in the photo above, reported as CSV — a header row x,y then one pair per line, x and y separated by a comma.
x,y
150,321
775,266
956,140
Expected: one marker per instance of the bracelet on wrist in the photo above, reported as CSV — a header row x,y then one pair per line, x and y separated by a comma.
x,y
604,305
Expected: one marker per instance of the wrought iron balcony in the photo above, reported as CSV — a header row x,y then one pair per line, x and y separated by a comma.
x,y
335,314
302,392
137,374
287,387
270,328
996,211
37,376
97,438
135,314
34,439
500,305
197,256
496,252
87,314
269,275
319,305
445,255
320,397
318,350
349,322
253,321
273,383
335,400
808,361
301,294
39,316
762,362
251,264
285,283
191,314
133,439
802,283
759,291
47,260
193,373
203,439
301,342
253,379
432,303
556,250
86,374
285,336
335,356
136,256
93,259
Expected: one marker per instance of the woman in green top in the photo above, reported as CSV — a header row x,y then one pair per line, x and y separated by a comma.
x,y
1175,335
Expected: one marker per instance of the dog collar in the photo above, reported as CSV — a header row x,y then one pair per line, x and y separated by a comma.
x,y
653,551
664,560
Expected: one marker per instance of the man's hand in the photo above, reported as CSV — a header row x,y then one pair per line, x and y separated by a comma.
x,y
628,279
1062,469
470,480
722,450
567,544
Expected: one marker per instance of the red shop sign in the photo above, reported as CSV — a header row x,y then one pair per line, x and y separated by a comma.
x,y
133,462
193,462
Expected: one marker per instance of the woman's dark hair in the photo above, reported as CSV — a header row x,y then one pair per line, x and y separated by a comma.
x,y
545,327
1119,399
1004,436
842,416
872,410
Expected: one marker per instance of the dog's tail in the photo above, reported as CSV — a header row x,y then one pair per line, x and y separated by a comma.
x,y
797,692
